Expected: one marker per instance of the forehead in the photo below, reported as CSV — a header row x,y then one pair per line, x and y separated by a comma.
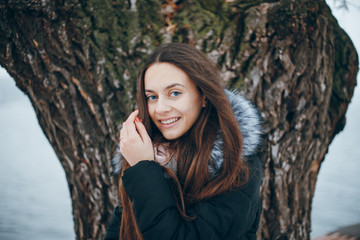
x,y
161,75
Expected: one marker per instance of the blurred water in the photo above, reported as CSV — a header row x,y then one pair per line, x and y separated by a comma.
x,y
35,201
337,193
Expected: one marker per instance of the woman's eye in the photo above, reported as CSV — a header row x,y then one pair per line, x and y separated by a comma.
x,y
151,98
175,93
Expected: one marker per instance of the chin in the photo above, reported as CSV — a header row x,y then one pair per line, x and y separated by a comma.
x,y
171,136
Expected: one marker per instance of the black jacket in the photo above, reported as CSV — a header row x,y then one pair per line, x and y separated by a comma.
x,y
232,215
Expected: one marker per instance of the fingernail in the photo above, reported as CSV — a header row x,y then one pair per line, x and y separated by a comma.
x,y
137,119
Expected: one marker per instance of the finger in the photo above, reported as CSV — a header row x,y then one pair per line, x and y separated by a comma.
x,y
128,130
122,135
142,131
131,129
132,116
122,131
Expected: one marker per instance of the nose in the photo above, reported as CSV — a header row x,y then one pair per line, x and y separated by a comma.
x,y
163,105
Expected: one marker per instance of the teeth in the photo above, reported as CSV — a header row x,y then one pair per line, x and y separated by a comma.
x,y
169,121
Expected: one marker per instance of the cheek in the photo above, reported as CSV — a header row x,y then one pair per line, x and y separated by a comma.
x,y
192,110
151,111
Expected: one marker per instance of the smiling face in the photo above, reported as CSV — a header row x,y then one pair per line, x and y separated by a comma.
x,y
174,101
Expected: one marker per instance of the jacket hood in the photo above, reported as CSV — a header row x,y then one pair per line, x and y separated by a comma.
x,y
249,121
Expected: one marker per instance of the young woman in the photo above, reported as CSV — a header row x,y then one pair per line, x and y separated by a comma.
x,y
188,169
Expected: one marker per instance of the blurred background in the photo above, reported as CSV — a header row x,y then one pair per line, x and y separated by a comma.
x,y
35,201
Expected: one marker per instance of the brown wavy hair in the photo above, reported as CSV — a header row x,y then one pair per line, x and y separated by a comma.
x,y
192,181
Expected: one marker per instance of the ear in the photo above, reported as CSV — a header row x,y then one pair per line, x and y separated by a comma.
x,y
204,101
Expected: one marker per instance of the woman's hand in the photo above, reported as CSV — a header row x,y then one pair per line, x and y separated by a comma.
x,y
135,143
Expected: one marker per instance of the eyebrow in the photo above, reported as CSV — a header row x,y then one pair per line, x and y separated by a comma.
x,y
168,87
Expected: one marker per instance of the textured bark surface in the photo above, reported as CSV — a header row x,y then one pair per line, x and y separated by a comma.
x,y
78,62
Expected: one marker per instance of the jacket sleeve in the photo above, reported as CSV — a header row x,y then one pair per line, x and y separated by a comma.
x,y
220,217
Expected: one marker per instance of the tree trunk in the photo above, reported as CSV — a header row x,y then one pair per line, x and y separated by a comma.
x,y
78,62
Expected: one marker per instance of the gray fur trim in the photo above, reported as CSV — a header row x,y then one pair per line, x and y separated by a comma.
x,y
249,122
117,161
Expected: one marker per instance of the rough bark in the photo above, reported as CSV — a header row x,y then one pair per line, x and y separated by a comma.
x,y
78,62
